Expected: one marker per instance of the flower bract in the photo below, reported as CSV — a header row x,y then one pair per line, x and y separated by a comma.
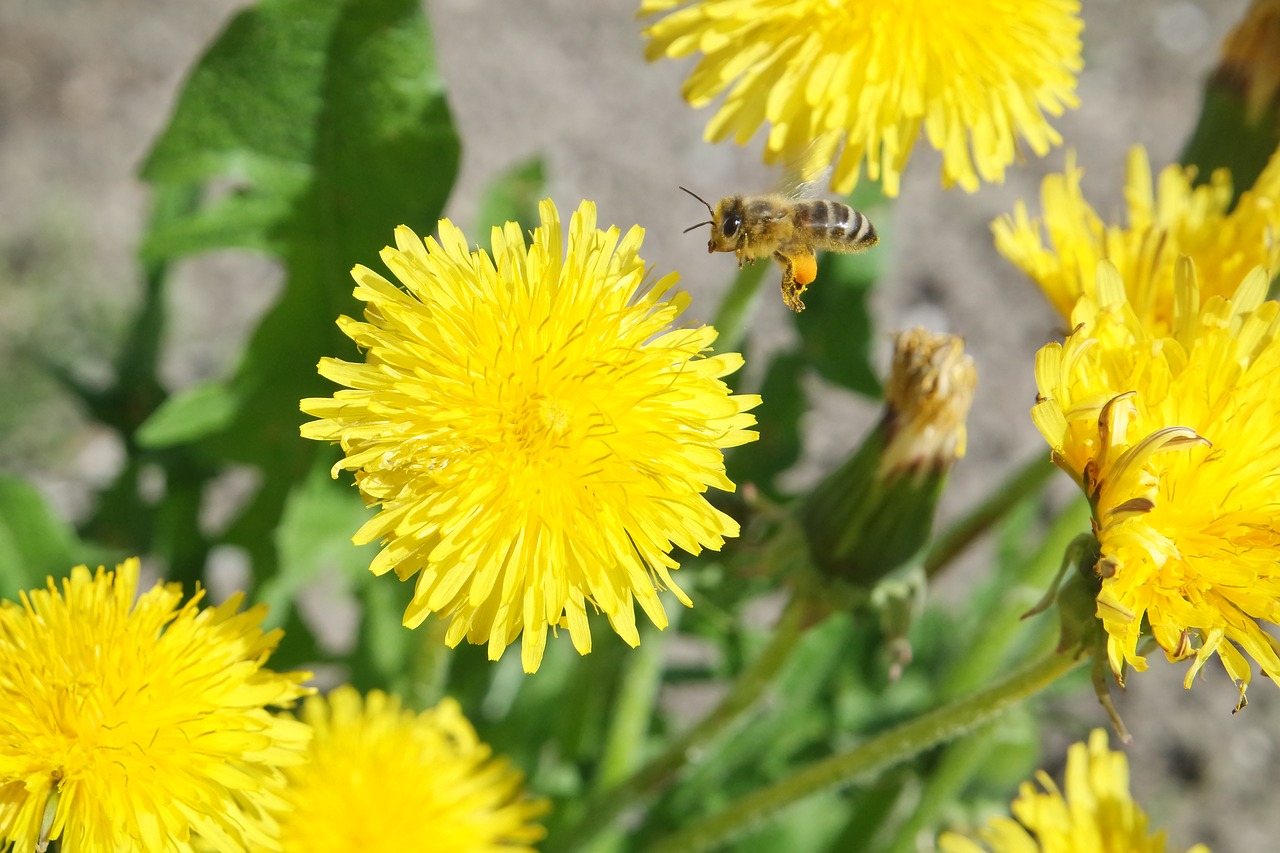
x,y
138,725
840,82
538,435
382,778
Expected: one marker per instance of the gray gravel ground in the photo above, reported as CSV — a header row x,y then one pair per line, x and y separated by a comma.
x,y
85,86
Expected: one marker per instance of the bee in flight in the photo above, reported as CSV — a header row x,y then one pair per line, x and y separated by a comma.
x,y
754,226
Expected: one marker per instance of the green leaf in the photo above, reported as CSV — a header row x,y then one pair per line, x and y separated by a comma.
x,y
320,517
251,105
836,329
513,197
192,414
313,131
387,154
243,219
34,543
778,447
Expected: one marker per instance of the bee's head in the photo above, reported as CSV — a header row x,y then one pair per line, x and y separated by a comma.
x,y
725,222
726,225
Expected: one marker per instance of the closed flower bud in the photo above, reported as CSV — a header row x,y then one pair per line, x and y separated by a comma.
x,y
875,512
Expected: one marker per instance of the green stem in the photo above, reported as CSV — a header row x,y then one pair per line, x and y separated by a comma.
x,y
1029,476
985,657
427,667
879,753
637,696
600,813
1005,626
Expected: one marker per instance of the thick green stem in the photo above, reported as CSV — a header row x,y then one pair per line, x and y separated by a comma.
x,y
879,753
637,696
1028,477
947,779
600,813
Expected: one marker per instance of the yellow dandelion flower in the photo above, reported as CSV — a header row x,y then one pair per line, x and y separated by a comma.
x,y
1096,814
382,778
1166,219
135,726
1173,438
538,436
843,82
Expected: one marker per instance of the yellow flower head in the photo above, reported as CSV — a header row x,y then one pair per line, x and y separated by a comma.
x,y
538,436
1096,814
135,726
840,81
382,778
1173,438
1169,219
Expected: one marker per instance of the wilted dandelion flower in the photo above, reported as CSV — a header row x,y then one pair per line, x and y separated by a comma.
x,y
1173,438
843,82
1165,219
134,726
538,437
1095,814
382,778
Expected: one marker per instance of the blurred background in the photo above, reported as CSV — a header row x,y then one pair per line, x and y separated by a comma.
x,y
85,88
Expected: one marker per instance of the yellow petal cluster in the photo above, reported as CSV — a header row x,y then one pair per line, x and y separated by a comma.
x,y
1095,814
1166,217
136,726
382,778
1173,438
843,81
537,434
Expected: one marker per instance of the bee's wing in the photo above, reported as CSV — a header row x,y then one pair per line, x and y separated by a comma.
x,y
807,174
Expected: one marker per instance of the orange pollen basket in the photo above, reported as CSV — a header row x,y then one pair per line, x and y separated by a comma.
x,y
804,268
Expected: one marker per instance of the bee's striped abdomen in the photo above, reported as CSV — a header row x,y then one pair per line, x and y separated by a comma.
x,y
835,227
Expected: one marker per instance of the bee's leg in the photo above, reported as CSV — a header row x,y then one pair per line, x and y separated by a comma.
x,y
791,289
743,255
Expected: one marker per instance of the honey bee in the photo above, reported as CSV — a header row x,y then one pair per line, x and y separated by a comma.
x,y
754,226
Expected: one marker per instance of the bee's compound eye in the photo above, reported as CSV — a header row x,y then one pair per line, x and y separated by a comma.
x,y
732,223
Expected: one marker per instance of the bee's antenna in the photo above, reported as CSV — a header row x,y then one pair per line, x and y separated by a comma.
x,y
701,199
711,221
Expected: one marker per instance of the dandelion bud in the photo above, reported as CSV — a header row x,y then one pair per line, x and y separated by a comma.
x,y
875,512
